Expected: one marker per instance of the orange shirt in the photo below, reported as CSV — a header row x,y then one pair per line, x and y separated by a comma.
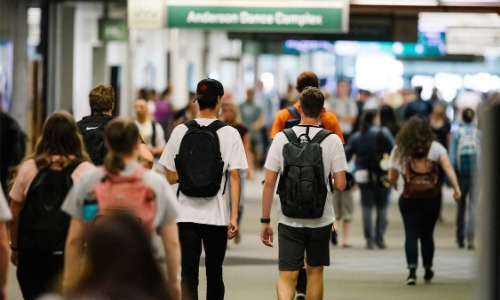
x,y
328,119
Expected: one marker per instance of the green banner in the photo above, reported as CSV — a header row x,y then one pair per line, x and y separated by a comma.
x,y
113,30
272,19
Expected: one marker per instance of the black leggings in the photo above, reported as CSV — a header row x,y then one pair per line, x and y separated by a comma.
x,y
38,273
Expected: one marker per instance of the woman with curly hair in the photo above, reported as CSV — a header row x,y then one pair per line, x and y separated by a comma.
x,y
417,153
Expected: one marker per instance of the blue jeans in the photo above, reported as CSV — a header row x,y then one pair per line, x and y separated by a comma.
x,y
468,188
419,217
374,197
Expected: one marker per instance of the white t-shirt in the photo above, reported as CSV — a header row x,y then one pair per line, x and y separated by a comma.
x,y
146,131
435,152
202,210
344,108
5,214
334,161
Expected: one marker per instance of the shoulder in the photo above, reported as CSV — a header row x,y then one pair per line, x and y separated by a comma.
x,y
154,178
436,151
328,118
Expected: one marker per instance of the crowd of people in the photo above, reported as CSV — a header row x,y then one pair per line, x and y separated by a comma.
x,y
87,182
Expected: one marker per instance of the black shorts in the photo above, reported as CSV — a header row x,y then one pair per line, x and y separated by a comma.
x,y
294,241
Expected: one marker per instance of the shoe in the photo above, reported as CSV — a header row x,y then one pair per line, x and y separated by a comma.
x,y
471,247
347,246
381,245
300,296
460,244
412,277
369,246
429,274
411,280
334,238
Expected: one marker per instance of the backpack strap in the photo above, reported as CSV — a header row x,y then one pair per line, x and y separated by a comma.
x,y
321,136
153,136
293,111
216,125
191,124
290,135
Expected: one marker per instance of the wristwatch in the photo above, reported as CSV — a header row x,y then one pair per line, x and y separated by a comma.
x,y
265,221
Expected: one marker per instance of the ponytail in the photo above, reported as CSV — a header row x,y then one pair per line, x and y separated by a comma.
x,y
114,163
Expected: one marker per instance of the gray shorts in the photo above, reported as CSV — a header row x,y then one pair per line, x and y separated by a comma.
x,y
343,205
294,241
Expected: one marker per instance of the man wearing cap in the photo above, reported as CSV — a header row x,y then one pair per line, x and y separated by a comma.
x,y
207,220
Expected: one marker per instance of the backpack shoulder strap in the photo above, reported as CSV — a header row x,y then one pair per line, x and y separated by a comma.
x,y
153,136
71,167
320,136
216,125
290,135
293,111
191,124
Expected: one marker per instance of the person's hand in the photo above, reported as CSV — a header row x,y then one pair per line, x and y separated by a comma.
x,y
14,258
266,234
232,229
457,195
174,287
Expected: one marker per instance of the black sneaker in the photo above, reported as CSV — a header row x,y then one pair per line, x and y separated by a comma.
x,y
412,277
300,297
429,274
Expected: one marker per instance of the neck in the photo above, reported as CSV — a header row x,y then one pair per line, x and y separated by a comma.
x,y
306,121
105,113
207,114
142,119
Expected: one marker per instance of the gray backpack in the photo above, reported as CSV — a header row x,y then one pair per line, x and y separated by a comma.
x,y
302,188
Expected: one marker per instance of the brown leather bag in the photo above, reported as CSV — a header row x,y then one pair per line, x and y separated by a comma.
x,y
421,178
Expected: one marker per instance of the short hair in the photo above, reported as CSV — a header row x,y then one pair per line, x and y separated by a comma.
x,y
312,101
468,115
305,79
101,99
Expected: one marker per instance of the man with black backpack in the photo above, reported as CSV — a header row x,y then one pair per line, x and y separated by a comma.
x,y
306,157
102,103
199,155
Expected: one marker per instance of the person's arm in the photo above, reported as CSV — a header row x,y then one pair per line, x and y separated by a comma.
x,y
248,152
145,156
266,233
170,238
339,181
73,252
15,208
444,161
4,259
172,177
235,190
392,177
257,125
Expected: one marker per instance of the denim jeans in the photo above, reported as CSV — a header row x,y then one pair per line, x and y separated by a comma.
x,y
214,240
419,217
469,188
374,197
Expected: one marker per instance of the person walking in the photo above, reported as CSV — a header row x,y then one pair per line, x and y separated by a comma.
x,y
200,154
299,232
38,228
140,192
371,145
416,157
102,104
464,153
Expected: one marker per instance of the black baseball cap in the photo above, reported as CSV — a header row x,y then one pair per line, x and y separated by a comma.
x,y
207,89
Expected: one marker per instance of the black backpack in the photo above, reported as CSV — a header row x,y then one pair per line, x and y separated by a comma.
x,y
302,188
199,162
92,130
43,226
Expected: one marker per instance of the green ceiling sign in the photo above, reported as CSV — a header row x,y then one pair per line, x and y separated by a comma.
x,y
289,19
113,30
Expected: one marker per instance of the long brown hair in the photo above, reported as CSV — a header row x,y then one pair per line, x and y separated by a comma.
x,y
60,136
414,139
120,136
